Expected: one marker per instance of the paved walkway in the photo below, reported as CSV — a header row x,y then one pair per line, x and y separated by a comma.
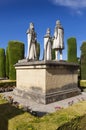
x,y
49,108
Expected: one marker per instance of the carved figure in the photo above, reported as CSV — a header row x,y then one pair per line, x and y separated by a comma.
x,y
47,45
58,42
32,41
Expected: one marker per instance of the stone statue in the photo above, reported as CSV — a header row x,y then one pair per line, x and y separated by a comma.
x,y
31,37
58,41
47,45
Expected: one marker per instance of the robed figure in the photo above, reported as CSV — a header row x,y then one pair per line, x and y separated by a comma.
x,y
47,46
32,42
58,40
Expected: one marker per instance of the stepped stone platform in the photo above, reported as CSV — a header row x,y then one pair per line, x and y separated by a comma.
x,y
46,81
43,109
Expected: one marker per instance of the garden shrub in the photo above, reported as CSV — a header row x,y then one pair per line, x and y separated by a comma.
x,y
53,54
7,83
2,63
83,83
53,51
78,123
72,50
38,50
7,63
15,52
83,61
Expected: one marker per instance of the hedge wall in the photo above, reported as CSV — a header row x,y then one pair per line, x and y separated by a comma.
x,y
53,54
7,63
72,50
83,61
2,63
38,50
15,52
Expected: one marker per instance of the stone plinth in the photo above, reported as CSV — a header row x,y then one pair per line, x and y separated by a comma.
x,y
46,81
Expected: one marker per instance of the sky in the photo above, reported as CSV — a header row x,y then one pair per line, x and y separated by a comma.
x,y
16,15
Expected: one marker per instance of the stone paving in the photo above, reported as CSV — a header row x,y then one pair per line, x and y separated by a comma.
x,y
49,108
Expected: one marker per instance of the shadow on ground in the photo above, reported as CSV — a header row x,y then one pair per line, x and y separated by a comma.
x,y
7,112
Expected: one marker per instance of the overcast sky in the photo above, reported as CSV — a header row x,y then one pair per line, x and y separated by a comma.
x,y
15,16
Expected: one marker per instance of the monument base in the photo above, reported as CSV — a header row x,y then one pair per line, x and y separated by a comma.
x,y
46,81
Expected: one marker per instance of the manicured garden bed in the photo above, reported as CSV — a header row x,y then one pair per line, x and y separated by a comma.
x,y
83,85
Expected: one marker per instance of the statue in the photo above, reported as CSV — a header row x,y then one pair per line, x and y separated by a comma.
x,y
32,41
47,45
58,42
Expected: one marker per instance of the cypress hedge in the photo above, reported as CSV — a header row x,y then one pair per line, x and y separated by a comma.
x,y
2,63
15,52
72,50
53,54
38,50
7,63
83,61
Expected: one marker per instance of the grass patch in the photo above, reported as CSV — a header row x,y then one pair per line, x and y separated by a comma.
x,y
83,83
12,118
7,83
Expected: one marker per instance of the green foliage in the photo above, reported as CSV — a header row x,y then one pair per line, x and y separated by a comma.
x,y
83,85
7,83
53,54
38,50
7,63
15,53
83,47
12,72
72,50
75,124
83,61
2,63
16,119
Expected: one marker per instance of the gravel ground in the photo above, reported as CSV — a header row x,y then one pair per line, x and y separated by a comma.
x,y
49,108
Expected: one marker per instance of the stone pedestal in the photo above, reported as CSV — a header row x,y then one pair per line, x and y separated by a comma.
x,y
46,81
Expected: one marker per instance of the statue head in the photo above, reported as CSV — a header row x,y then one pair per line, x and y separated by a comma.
x,y
58,22
31,26
48,31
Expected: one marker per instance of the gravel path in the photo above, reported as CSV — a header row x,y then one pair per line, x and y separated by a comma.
x,y
49,108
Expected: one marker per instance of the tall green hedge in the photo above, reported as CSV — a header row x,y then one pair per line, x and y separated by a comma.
x,y
2,63
7,63
83,61
15,52
53,52
72,50
38,50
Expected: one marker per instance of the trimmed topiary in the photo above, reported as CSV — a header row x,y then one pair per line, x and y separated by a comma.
x,y
72,50
53,54
15,53
38,50
7,63
83,61
2,63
